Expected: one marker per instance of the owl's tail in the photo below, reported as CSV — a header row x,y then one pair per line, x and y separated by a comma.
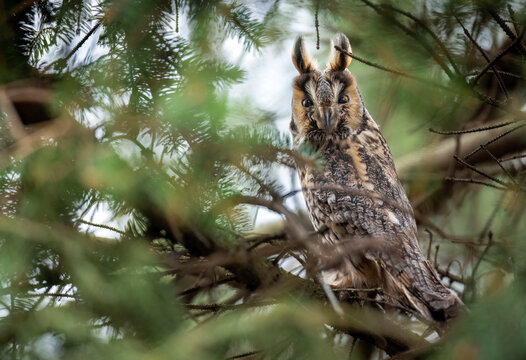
x,y
429,296
411,283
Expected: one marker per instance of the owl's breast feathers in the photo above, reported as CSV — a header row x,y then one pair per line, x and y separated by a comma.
x,y
358,188
358,197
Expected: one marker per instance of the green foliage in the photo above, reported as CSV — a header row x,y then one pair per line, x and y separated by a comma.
x,y
145,133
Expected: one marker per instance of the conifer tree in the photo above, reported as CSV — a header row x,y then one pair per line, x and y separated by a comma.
x,y
122,110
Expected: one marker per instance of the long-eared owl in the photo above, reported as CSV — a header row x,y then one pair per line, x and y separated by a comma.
x,y
356,196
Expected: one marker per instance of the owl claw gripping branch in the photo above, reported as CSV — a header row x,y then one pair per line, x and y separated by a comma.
x,y
357,195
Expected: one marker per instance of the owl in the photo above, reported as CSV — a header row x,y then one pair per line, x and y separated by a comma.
x,y
356,196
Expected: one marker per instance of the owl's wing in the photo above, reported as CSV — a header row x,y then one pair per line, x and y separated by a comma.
x,y
357,214
386,254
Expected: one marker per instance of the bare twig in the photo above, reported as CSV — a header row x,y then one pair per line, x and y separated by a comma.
x,y
135,141
472,181
374,328
414,35
516,76
176,16
496,138
102,226
240,356
520,156
265,239
378,290
488,223
483,53
57,295
435,260
438,156
439,42
76,48
317,24
460,268
508,31
437,229
480,172
484,98
384,68
221,307
430,243
354,339
484,128
16,126
290,193
513,19
500,165
330,295
452,167
489,65
214,283
393,305
479,260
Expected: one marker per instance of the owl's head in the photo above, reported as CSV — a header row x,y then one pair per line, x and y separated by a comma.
x,y
325,104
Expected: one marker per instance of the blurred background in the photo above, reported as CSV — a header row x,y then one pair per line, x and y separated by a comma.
x,y
150,207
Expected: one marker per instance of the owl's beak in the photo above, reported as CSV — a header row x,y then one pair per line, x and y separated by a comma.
x,y
325,119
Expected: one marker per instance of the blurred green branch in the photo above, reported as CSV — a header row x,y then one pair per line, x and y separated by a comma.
x,y
189,275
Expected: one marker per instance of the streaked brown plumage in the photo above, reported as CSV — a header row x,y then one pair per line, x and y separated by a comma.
x,y
357,194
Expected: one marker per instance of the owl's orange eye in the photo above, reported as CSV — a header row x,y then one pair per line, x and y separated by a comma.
x,y
344,99
306,103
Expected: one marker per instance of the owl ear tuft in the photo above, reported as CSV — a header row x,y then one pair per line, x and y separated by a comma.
x,y
300,58
339,61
